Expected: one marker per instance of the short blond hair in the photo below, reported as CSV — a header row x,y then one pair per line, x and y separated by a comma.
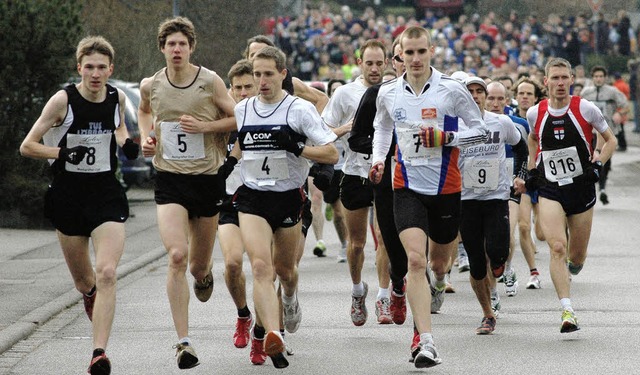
x,y
94,44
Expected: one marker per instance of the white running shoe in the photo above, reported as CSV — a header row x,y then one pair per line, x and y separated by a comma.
x,y
292,315
427,356
534,282
510,283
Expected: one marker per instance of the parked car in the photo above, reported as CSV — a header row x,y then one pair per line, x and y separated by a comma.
x,y
138,171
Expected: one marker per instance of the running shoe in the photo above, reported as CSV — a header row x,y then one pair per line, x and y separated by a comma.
x,y
274,347
383,311
292,315
448,286
287,349
427,356
534,282
359,308
185,356
495,305
100,365
203,289
604,198
463,264
415,345
242,334
574,269
342,255
487,326
89,301
510,283
320,250
569,322
257,354
398,306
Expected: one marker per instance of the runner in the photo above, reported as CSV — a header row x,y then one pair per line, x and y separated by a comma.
x,y
81,126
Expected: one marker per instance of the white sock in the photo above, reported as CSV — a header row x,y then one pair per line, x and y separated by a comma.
x,y
185,340
426,337
383,293
566,304
357,290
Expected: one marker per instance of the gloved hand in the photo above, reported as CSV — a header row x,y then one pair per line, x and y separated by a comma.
x,y
322,175
285,141
592,172
130,149
432,137
534,180
376,172
73,155
226,168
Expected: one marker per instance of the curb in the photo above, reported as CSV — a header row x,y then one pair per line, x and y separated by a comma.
x,y
25,326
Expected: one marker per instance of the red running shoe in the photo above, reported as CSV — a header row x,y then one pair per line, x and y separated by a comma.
x,y
241,335
257,354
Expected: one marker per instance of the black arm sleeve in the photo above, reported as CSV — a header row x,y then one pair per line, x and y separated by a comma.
x,y
520,155
361,138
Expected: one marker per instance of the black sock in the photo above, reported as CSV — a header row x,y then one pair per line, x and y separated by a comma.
x,y
244,312
282,333
397,288
98,352
258,332
91,292
534,271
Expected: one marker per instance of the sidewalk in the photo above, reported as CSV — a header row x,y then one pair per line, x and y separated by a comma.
x,y
35,283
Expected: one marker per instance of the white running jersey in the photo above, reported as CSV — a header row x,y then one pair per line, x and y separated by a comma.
x,y
441,103
341,109
265,166
485,172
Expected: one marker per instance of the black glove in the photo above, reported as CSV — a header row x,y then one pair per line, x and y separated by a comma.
x,y
285,141
534,180
130,149
73,155
226,168
322,175
592,172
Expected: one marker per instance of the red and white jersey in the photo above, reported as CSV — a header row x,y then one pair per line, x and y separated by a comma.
x,y
565,137
401,113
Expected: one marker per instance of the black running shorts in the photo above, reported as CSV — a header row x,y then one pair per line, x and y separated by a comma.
x,y
200,194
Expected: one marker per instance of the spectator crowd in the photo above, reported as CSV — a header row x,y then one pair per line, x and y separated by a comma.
x,y
322,45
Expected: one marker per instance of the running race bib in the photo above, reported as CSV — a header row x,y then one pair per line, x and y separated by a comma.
x,y
178,145
266,167
97,158
413,153
562,165
481,174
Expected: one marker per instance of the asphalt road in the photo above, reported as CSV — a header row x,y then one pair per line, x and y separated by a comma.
x,y
43,328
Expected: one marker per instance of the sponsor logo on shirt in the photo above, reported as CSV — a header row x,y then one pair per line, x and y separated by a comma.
x,y
558,133
428,113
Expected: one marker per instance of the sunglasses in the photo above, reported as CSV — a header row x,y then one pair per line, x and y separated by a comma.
x,y
398,58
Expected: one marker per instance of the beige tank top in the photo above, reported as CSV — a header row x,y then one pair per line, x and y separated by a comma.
x,y
178,151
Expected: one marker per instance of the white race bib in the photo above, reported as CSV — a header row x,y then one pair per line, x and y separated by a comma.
x,y
178,145
97,158
413,153
510,170
481,174
266,167
562,165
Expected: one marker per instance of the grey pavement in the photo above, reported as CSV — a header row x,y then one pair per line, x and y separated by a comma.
x,y
43,328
